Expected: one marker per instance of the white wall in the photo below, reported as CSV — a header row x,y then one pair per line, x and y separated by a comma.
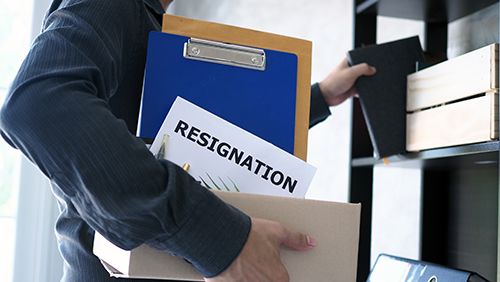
x,y
473,32
396,212
328,24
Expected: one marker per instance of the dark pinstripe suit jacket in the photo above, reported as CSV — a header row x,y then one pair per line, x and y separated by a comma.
x,y
72,110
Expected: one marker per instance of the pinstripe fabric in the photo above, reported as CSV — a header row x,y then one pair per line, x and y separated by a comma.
x,y
71,109
319,109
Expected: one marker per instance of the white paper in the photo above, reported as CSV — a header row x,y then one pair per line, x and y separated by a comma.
x,y
236,161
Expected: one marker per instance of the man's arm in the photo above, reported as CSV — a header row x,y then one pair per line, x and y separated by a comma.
x,y
57,114
335,88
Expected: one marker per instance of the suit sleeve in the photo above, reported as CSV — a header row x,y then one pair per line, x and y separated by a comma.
x,y
319,109
57,114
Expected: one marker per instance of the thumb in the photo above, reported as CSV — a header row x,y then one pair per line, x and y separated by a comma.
x,y
298,241
362,69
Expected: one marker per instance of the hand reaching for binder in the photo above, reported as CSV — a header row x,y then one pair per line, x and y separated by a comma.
x,y
338,85
259,259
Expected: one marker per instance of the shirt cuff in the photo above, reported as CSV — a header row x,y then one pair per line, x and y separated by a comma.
x,y
319,108
213,235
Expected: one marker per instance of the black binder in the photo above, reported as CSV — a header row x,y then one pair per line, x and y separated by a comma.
x,y
383,95
396,269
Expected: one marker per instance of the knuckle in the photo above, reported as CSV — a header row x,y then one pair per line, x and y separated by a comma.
x,y
359,67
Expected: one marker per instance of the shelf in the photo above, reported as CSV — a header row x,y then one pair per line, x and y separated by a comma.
x,y
427,10
459,186
480,154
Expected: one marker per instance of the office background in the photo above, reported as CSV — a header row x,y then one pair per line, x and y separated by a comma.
x,y
328,23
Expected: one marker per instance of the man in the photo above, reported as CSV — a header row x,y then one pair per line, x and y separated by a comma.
x,y
71,110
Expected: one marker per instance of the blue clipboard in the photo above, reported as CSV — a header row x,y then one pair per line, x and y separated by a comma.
x,y
262,102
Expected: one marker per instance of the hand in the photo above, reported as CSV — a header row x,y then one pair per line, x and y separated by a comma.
x,y
338,86
259,259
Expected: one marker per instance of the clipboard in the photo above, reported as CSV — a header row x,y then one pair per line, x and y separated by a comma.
x,y
255,80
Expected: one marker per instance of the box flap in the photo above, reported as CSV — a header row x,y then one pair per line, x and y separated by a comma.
x,y
117,259
111,270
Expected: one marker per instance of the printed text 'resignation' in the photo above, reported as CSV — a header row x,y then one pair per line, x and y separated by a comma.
x,y
232,153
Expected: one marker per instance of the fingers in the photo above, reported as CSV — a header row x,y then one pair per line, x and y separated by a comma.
x,y
351,92
362,69
298,241
259,260
357,70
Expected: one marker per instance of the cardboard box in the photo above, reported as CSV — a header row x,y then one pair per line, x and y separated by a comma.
x,y
334,225
454,102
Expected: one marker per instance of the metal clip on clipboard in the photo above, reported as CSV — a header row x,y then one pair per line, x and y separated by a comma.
x,y
223,53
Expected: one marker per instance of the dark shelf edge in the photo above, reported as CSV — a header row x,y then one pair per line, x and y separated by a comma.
x,y
431,11
361,162
448,152
365,6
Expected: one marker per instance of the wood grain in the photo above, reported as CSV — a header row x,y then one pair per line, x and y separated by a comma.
x,y
242,36
494,115
464,76
470,121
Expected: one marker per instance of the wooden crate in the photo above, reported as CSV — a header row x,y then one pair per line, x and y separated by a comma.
x,y
455,102
464,76
469,121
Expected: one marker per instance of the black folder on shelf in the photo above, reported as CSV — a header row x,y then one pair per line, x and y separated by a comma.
x,y
389,268
383,95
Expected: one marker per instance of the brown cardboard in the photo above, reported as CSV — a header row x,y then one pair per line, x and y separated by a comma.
x,y
334,225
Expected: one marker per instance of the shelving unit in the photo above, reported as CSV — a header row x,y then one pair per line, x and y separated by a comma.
x,y
460,214
458,156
